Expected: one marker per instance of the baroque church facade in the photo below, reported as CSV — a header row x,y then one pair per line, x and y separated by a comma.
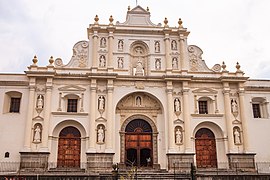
x,y
135,93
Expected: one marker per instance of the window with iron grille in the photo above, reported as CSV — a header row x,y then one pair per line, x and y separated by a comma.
x,y
203,109
256,110
72,105
15,105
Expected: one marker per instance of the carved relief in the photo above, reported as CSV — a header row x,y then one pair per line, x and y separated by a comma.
x,y
195,59
37,133
139,58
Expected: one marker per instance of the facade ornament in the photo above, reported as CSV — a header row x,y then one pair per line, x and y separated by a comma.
x,y
101,104
178,136
103,42
35,60
100,134
174,63
237,136
157,47
223,66
111,20
166,22
102,61
139,68
96,19
120,45
238,67
51,61
234,107
147,9
128,8
177,106
174,45
120,63
37,134
180,22
158,64
40,103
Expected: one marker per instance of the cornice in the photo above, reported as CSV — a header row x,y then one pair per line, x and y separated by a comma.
x,y
14,83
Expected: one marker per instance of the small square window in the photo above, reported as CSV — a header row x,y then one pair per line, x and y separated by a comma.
x,y
203,109
15,105
72,105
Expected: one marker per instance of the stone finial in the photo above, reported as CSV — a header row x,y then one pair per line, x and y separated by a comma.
x,y
35,60
147,8
111,20
238,67
51,61
166,22
96,19
128,8
180,22
223,66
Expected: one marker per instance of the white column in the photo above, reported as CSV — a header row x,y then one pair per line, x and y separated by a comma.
x,y
243,119
47,113
95,50
92,127
170,129
30,105
227,105
110,119
110,51
167,54
184,54
186,116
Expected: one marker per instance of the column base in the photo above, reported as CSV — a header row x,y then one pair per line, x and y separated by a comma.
x,y
34,161
99,162
242,161
180,161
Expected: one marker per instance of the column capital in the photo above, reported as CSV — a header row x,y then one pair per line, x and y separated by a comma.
x,y
226,91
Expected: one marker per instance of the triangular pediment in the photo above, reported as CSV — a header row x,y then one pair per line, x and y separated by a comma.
x,y
71,88
205,91
138,9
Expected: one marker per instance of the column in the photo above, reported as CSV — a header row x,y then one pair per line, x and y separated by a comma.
x,y
170,116
110,50
92,127
110,119
95,50
47,113
227,106
31,105
167,53
186,116
243,119
183,53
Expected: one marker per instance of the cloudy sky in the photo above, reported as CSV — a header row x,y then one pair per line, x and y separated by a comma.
x,y
226,30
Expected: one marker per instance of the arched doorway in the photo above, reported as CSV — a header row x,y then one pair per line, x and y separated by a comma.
x,y
69,148
138,143
205,145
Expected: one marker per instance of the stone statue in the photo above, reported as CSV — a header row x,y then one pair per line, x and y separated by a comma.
x,y
178,137
234,106
37,134
102,61
40,101
138,101
174,45
103,42
100,134
158,66
157,47
120,45
177,107
101,103
174,63
139,68
120,63
237,137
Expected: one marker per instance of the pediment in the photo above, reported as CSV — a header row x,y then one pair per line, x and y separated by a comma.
x,y
205,91
71,88
138,9
101,119
178,121
38,118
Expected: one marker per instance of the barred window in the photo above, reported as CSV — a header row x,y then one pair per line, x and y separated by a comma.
x,y
15,105
72,105
256,110
203,108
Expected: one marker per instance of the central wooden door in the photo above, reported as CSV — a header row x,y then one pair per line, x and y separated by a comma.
x,y
205,144
69,148
138,143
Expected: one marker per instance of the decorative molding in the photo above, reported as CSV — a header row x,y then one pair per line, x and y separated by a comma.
x,y
71,88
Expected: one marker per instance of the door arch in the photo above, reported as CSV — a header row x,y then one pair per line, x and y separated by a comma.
x,y
205,145
69,148
138,143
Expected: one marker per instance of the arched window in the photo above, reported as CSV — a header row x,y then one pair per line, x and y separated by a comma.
x,y
6,154
12,102
259,107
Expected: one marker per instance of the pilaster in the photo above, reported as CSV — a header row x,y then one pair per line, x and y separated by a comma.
x,y
170,130
110,48
92,110
167,51
186,115
110,122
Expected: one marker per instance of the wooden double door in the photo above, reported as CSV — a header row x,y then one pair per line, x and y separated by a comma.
x,y
138,144
69,148
205,144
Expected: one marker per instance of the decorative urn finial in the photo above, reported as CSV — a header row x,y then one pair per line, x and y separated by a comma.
x,y
111,20
35,60
166,22
223,66
238,67
128,8
147,8
180,22
96,19
51,61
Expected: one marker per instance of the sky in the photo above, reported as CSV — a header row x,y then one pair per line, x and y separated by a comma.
x,y
226,30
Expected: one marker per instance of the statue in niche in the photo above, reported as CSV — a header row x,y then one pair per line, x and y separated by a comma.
x,y
138,101
37,134
234,106
101,103
102,61
157,46
237,136
174,45
103,42
139,68
100,135
120,45
40,102
178,136
174,63
177,106
158,64
120,63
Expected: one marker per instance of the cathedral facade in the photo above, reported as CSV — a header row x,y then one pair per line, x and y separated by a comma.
x,y
137,94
